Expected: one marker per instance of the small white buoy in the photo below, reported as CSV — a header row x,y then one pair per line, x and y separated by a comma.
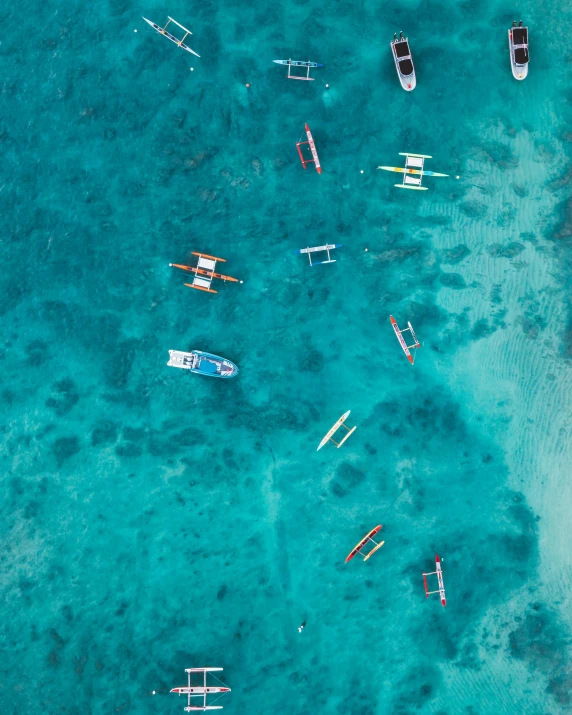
x,y
367,249
327,86
242,281
154,692
248,85
361,171
457,177
192,69
134,30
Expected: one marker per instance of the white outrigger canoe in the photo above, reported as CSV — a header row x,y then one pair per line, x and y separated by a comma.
x,y
299,63
518,44
163,31
403,62
329,435
414,164
201,691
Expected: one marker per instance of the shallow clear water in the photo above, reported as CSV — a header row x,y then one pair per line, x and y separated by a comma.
x,y
153,520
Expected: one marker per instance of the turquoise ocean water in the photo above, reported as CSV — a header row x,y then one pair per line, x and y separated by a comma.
x,y
152,520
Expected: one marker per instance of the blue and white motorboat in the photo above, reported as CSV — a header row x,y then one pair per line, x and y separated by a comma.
x,y
163,31
202,363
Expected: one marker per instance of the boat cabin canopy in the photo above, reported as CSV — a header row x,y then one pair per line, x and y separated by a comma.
x,y
520,36
521,56
406,67
402,49
206,365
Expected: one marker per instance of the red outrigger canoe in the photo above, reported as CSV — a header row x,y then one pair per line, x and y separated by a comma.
x,y
315,159
368,537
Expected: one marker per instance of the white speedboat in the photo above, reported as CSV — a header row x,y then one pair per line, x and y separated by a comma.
x,y
403,62
518,44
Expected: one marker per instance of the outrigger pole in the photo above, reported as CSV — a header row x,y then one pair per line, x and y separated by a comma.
x,y
368,537
187,32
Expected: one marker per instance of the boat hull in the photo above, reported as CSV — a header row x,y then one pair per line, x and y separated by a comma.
x,y
203,363
297,63
401,170
398,333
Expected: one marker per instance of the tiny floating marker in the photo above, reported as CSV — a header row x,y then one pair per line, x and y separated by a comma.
x,y
134,30
457,177
361,171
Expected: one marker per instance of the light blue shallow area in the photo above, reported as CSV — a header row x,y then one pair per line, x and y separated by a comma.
x,y
152,520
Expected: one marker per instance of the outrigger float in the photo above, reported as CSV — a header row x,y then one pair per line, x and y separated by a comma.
x,y
441,586
298,63
204,272
201,691
399,333
163,31
366,539
202,363
403,62
518,44
335,428
414,164
312,146
327,248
